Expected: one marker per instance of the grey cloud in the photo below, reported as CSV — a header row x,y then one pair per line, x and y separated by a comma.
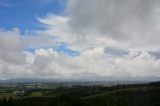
x,y
38,41
10,50
156,54
130,21
115,52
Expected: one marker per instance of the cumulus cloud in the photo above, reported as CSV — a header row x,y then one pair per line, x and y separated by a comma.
x,y
94,62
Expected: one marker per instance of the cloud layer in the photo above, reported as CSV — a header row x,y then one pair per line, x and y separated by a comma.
x,y
114,40
135,23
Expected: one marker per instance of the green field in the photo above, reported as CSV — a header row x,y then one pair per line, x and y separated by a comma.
x,y
66,94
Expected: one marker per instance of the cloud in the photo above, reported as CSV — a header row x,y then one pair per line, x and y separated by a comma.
x,y
57,26
112,39
10,47
132,23
92,63
44,1
5,3
12,60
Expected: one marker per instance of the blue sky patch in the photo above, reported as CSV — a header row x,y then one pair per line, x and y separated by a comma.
x,y
30,49
67,51
63,49
22,13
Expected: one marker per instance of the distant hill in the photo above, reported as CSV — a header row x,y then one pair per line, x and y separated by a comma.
x,y
101,80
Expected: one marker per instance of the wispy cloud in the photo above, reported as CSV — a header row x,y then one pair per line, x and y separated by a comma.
x,y
44,1
6,4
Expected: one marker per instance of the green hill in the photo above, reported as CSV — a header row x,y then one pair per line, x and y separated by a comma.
x,y
147,94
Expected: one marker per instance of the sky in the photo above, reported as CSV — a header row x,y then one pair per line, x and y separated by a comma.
x,y
80,39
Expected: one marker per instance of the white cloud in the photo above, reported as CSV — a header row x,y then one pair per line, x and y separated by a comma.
x,y
48,63
90,27
94,62
57,26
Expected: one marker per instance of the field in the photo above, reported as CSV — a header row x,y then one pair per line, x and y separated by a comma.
x,y
79,94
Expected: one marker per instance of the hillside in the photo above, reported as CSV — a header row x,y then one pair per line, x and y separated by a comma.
x,y
147,94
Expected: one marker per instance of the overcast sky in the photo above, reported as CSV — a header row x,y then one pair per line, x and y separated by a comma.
x,y
80,39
